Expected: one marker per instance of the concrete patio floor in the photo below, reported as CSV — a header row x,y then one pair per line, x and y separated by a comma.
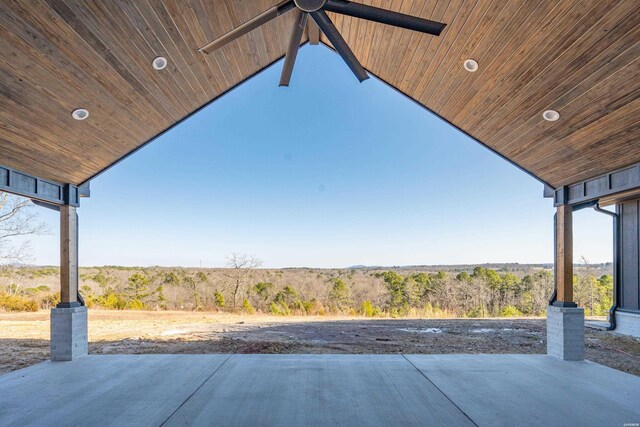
x,y
304,390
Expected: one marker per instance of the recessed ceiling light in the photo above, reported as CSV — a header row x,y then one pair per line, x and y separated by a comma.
x,y
159,63
551,115
80,114
470,65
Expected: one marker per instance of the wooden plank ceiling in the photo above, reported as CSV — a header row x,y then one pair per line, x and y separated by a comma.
x,y
579,57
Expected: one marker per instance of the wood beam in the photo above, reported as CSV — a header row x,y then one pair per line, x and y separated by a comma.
x,y
68,257
564,255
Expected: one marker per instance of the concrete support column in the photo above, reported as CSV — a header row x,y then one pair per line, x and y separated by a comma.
x,y
69,334
565,332
565,321
69,338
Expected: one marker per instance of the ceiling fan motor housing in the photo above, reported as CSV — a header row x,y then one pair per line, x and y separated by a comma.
x,y
309,5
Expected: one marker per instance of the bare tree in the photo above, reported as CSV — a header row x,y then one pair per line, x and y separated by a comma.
x,y
241,266
17,219
586,285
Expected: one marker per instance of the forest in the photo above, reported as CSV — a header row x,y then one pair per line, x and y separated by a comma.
x,y
491,290
441,291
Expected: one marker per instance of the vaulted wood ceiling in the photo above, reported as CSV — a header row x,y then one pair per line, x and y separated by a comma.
x,y
579,57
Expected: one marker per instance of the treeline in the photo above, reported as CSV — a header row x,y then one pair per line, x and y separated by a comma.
x,y
486,293
481,292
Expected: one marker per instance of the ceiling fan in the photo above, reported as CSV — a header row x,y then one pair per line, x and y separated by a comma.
x,y
317,9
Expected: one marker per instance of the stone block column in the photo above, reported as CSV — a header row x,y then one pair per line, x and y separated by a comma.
x,y
565,332
69,335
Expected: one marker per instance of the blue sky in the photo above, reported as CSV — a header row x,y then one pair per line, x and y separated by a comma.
x,y
326,173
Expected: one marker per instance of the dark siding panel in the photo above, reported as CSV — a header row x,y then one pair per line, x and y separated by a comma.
x,y
630,257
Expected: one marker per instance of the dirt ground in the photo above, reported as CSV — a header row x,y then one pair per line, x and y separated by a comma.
x,y
24,336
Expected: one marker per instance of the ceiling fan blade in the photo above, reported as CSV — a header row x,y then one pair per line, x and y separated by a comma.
x,y
254,23
320,17
294,45
376,14
313,32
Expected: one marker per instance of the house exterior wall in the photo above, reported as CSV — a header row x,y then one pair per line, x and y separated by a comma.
x,y
629,212
628,323
628,298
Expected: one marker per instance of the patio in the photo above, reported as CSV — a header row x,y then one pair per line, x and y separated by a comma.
x,y
554,92
359,390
